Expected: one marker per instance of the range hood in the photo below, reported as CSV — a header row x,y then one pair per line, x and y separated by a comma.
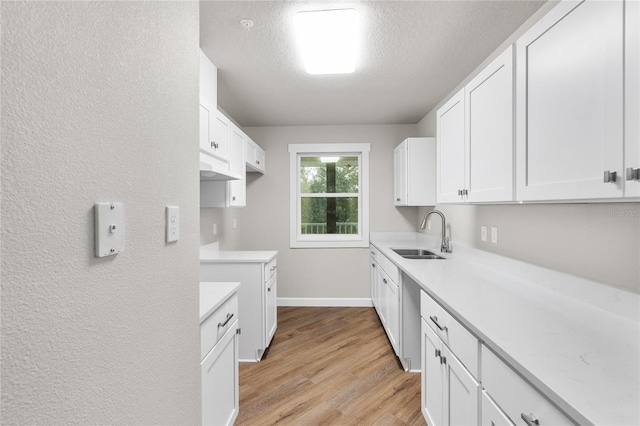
x,y
210,170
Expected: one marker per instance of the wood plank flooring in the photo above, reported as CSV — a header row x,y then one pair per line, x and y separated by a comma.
x,y
329,366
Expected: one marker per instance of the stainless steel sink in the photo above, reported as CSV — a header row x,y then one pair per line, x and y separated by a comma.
x,y
417,254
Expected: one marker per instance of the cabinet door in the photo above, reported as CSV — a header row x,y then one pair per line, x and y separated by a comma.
x,y
400,174
393,314
221,136
489,132
373,275
208,83
237,189
492,415
570,103
220,386
205,130
450,149
462,392
433,378
271,306
632,99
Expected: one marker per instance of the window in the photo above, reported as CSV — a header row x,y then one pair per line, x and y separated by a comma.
x,y
329,195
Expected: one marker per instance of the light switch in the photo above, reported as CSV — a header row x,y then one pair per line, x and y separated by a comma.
x,y
173,223
109,228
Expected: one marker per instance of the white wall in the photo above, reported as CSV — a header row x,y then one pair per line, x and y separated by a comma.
x,y
318,273
99,103
599,241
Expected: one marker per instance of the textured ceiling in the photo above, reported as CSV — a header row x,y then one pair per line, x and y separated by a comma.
x,y
413,54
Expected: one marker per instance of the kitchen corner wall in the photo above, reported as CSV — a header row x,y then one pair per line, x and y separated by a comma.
x,y
319,273
99,103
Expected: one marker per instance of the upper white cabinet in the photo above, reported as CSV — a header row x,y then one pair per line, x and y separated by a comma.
x,y
414,166
228,193
450,149
214,132
489,173
632,100
570,103
475,138
255,161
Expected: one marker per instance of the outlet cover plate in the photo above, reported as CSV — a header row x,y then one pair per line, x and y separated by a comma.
x,y
109,228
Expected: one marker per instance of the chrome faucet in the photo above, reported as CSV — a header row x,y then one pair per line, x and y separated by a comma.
x,y
445,246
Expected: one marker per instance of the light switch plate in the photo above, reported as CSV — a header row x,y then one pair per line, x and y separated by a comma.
x,y
494,234
109,228
173,223
483,233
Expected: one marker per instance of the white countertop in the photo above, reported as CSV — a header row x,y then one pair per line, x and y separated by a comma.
x,y
210,253
214,294
576,340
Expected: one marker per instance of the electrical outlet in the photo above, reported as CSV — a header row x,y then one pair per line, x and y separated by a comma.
x,y
494,234
173,223
483,233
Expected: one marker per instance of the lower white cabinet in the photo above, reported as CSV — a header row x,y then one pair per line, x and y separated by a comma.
x,y
516,398
450,392
220,400
219,352
257,296
396,300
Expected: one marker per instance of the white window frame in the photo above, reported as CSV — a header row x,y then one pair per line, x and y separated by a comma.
x,y
299,240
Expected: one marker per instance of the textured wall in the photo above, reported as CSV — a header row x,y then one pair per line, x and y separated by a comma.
x,y
340,273
99,103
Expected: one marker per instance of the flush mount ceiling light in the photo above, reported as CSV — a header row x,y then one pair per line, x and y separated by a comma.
x,y
328,40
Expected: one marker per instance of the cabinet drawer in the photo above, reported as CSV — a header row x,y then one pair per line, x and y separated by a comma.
x,y
514,395
214,327
461,342
270,269
390,268
374,253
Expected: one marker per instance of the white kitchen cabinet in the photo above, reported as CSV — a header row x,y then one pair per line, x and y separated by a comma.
x,y
514,396
450,150
475,138
414,171
450,385
570,101
220,137
396,298
489,170
450,393
632,100
257,296
255,157
228,193
219,355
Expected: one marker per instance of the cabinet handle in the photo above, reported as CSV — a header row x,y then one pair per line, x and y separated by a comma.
x,y
460,192
610,176
223,324
257,161
269,289
437,353
529,419
397,199
273,268
435,321
384,280
373,265
443,360
633,173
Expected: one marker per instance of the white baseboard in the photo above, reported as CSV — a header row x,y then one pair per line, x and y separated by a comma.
x,y
326,301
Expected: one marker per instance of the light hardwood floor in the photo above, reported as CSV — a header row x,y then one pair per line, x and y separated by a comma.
x,y
329,366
